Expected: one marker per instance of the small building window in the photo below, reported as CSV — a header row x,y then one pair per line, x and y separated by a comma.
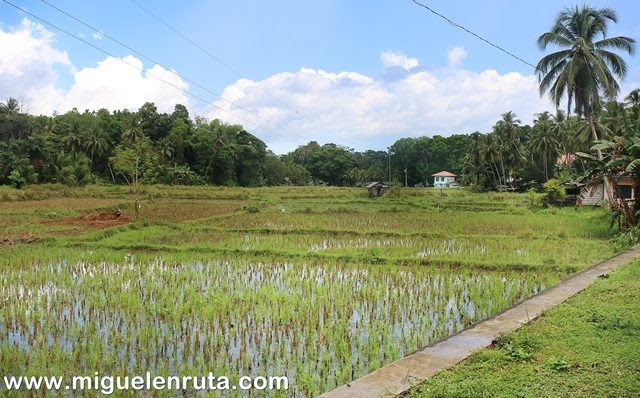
x,y
625,191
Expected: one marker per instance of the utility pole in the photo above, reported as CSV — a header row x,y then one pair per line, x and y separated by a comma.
x,y
405,176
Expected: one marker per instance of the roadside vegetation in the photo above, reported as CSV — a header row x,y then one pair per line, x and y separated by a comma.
x,y
586,347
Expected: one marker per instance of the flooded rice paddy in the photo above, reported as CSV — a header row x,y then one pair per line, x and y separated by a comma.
x,y
321,325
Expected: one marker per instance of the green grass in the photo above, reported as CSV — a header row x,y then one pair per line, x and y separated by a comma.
x,y
587,347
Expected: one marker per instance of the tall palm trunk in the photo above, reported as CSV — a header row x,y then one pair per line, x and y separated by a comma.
x,y
545,160
504,175
497,171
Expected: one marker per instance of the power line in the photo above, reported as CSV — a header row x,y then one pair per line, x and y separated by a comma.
x,y
142,69
160,64
216,58
471,33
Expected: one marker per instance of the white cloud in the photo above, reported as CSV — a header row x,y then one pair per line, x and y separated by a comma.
x,y
28,63
365,112
396,58
456,55
98,35
30,66
114,84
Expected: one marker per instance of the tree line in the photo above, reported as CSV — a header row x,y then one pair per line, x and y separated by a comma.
x,y
77,148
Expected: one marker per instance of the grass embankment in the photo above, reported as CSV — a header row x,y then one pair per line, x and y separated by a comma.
x,y
587,347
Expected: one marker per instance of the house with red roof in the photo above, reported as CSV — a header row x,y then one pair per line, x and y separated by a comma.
x,y
444,179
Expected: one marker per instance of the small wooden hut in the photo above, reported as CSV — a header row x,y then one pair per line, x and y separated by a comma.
x,y
377,188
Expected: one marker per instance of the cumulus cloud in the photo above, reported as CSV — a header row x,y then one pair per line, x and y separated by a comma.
x,y
114,84
363,111
399,59
28,65
31,68
456,55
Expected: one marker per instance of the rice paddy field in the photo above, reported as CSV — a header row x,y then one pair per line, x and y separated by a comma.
x,y
320,284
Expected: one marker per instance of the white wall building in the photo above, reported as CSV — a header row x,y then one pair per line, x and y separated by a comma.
x,y
443,179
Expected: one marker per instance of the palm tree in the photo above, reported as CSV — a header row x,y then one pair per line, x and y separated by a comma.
x,y
585,67
219,141
544,140
165,149
74,138
133,132
613,117
559,129
12,106
633,99
95,144
50,126
491,151
474,166
588,129
513,154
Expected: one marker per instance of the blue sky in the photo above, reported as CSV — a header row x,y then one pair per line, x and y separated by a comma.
x,y
263,40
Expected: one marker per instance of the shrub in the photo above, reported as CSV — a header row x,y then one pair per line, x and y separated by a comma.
x,y
532,198
251,208
626,239
17,180
554,193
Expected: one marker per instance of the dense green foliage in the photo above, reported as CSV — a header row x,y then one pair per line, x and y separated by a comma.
x,y
78,148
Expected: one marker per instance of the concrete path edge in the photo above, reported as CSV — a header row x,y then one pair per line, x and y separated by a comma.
x,y
413,369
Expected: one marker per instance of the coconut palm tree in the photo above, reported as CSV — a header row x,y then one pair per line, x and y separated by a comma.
x,y
74,138
12,106
513,155
585,68
165,150
95,144
474,166
491,151
133,131
544,140
588,129
633,99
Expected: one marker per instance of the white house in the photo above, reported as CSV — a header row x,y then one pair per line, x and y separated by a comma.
x,y
443,179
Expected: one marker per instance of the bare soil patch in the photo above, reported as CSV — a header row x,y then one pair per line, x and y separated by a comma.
x,y
93,220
